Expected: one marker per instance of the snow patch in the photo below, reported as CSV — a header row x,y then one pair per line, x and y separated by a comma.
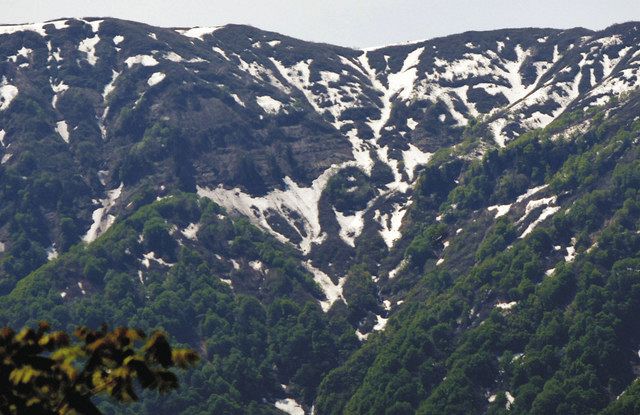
x,y
220,52
190,232
548,211
237,99
57,89
506,306
173,57
88,46
571,251
23,51
156,78
351,226
198,32
110,86
289,406
331,291
144,60
510,400
7,94
413,158
63,130
268,104
394,272
52,253
102,220
151,256
390,223
530,193
381,323
256,265
501,210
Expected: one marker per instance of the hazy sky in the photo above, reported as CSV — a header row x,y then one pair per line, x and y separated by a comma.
x,y
345,22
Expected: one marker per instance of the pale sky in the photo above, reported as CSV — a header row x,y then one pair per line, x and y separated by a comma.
x,y
357,23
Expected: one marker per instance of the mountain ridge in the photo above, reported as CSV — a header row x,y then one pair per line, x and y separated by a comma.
x,y
236,183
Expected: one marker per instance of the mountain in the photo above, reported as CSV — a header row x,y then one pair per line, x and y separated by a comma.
x,y
446,226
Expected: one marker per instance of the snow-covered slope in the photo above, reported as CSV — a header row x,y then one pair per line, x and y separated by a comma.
x,y
263,124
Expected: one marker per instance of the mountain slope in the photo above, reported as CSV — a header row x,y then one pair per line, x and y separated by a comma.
x,y
430,185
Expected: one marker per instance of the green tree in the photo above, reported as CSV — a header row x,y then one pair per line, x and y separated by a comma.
x,y
44,372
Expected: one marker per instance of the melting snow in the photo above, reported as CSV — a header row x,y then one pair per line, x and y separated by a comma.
x,y
510,400
501,210
102,220
548,211
301,200
400,83
173,57
151,256
63,130
289,406
361,151
530,193
350,226
7,94
156,78
191,231
571,251
144,60
110,86
506,306
380,324
256,265
400,267
268,104
391,223
361,336
411,123
534,204
220,52
413,158
88,46
198,32
235,264
331,291
23,51
52,253
57,89
37,27
237,99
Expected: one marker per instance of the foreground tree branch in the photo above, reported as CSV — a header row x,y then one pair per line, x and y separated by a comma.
x,y
45,372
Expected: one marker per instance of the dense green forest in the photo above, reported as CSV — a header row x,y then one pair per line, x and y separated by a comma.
x,y
562,345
